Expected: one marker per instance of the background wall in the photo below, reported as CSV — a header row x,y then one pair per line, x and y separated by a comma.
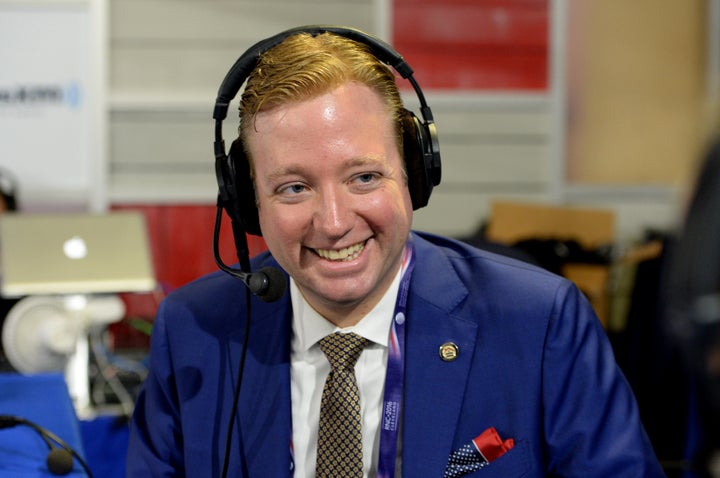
x,y
641,92
636,90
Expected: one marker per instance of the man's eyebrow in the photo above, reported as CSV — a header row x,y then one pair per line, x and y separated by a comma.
x,y
364,161
284,171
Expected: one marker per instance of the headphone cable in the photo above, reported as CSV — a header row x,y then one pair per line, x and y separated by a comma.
x,y
243,257
236,397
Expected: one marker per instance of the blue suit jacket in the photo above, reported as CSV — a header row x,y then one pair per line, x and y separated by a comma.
x,y
534,363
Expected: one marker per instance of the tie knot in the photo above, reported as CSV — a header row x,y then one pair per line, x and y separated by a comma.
x,y
342,350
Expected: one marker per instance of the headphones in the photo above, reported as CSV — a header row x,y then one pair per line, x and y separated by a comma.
x,y
232,169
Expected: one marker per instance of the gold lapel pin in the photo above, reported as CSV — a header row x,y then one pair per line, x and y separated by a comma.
x,y
449,351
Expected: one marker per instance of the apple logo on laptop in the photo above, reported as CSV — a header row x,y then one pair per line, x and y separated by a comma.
x,y
75,248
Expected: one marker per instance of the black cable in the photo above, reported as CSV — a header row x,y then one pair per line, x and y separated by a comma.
x,y
236,396
63,466
244,258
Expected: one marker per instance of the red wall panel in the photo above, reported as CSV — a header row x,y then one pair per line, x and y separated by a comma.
x,y
474,44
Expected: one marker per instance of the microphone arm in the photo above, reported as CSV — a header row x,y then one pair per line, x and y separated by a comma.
x,y
268,284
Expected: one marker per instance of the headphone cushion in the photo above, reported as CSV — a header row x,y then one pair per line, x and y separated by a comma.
x,y
242,189
414,152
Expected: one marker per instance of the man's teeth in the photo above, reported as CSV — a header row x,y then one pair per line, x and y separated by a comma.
x,y
347,254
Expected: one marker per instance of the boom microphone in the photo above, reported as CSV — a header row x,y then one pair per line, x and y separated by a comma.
x,y
268,284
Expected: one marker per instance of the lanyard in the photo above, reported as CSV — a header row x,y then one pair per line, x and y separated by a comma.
x,y
395,375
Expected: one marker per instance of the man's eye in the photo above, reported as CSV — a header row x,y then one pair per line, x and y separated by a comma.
x,y
366,177
293,189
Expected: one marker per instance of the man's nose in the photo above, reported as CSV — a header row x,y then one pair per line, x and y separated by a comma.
x,y
334,215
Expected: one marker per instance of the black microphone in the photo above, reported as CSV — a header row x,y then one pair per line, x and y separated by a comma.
x,y
60,458
268,284
59,461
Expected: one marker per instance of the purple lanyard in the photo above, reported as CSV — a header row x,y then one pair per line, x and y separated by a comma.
x,y
395,375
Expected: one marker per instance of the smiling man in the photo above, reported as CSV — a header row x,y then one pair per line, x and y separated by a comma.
x,y
333,199
395,353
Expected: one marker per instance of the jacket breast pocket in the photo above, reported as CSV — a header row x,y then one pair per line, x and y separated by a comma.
x,y
513,464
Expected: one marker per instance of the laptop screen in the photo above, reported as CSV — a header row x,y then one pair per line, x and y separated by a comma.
x,y
69,253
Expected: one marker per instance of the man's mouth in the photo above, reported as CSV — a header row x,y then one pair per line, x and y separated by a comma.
x,y
342,255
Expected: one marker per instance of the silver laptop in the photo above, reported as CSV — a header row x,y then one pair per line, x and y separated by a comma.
x,y
74,253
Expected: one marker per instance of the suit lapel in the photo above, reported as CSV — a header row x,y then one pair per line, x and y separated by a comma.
x,y
434,387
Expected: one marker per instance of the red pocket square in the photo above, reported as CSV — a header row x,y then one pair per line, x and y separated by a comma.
x,y
482,450
491,445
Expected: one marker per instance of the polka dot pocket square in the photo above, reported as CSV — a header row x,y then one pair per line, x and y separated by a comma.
x,y
481,451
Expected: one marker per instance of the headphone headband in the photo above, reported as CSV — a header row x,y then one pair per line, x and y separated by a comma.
x,y
421,152
247,62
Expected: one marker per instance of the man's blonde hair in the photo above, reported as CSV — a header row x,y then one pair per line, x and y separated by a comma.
x,y
304,66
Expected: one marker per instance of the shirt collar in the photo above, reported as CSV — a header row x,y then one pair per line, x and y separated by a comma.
x,y
309,326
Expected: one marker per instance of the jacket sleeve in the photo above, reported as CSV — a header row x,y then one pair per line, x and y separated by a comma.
x,y
592,421
155,443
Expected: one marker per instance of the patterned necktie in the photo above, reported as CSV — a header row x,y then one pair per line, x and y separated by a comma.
x,y
339,451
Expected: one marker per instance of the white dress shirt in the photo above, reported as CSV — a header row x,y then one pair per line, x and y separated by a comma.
x,y
309,369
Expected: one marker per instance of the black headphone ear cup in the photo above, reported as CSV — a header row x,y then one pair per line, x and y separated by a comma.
x,y
415,147
242,207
